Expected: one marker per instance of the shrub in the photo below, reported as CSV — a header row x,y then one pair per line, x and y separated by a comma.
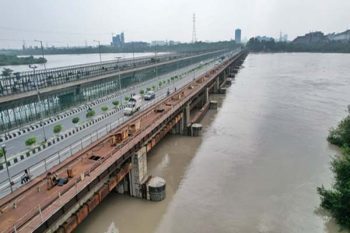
x,y
148,88
127,98
90,113
57,129
30,141
75,120
160,83
142,92
1,152
104,108
115,103
153,87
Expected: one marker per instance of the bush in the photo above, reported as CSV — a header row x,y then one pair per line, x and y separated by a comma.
x,y
127,98
57,129
153,87
148,88
142,92
90,113
104,108
160,83
336,199
1,153
75,120
30,141
115,103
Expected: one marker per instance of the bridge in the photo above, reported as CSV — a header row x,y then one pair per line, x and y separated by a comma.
x,y
66,87
116,161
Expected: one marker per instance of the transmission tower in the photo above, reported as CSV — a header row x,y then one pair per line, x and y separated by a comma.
x,y
194,35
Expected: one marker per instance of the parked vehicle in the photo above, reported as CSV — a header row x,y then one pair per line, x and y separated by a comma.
x,y
133,105
149,95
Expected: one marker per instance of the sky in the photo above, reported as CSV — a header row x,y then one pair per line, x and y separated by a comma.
x,y
80,22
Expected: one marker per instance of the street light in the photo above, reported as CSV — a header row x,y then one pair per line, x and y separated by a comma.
x,y
3,147
99,48
120,85
39,100
42,51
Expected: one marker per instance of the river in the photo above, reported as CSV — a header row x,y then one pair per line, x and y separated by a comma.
x,y
60,60
259,161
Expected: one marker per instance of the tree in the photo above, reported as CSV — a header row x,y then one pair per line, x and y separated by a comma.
x,y
57,129
115,103
142,92
160,83
336,200
90,113
126,98
1,152
75,120
30,141
148,88
6,72
153,87
104,108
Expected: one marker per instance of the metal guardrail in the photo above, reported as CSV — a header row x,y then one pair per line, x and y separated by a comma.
x,y
20,82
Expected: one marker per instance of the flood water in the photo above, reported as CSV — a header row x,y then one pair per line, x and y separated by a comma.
x,y
60,60
259,161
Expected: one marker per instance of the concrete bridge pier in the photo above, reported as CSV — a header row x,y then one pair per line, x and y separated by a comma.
x,y
138,175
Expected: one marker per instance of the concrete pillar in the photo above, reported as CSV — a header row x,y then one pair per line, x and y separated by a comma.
x,y
138,174
187,115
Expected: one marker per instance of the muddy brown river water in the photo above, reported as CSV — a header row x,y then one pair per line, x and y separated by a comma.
x,y
259,161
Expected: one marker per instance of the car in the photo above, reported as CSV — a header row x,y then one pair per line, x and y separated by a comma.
x,y
133,105
149,95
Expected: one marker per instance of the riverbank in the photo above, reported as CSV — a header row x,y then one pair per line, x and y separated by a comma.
x,y
6,60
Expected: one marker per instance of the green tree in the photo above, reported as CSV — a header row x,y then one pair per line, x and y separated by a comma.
x,y
104,108
148,88
126,98
336,199
142,92
1,152
75,120
30,141
6,72
115,103
57,129
90,113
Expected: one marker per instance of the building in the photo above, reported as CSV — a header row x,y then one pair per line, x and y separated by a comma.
x,y
311,38
343,36
238,34
118,40
264,38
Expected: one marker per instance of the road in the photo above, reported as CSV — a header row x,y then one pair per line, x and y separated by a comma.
x,y
54,154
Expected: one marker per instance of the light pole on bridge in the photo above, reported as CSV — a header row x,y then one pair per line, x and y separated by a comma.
x,y
39,100
3,148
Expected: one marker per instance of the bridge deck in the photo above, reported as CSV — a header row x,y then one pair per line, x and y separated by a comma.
x,y
35,203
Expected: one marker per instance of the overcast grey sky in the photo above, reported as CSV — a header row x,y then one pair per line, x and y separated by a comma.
x,y
73,22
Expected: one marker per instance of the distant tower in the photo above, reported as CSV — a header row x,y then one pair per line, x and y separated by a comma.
x,y
238,34
194,34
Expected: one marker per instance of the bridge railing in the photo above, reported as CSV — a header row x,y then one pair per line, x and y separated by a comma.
x,y
20,82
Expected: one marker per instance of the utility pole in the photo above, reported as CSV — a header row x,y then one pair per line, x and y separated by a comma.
x,y
42,51
3,148
120,85
99,49
39,100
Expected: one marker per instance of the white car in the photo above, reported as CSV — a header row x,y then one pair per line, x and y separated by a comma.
x,y
133,105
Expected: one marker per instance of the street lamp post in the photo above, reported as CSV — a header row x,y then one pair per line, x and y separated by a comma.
x,y
99,48
42,51
119,82
39,100
3,147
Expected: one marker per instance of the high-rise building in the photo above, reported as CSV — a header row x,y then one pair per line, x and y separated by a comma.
x,y
118,40
238,35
